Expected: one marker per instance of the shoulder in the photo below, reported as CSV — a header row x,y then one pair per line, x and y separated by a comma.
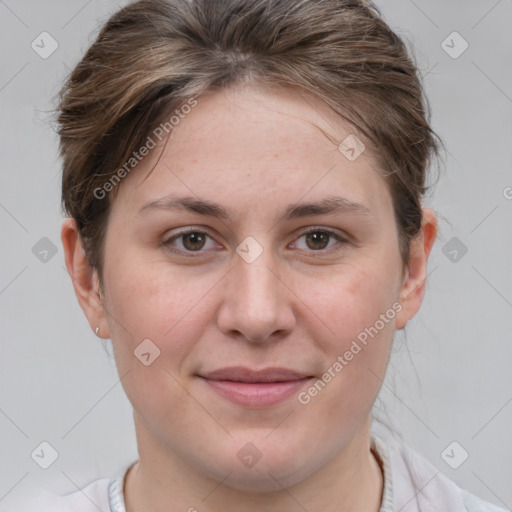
x,y
100,495
475,504
417,485
91,498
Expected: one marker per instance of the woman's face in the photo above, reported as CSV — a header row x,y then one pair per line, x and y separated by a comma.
x,y
249,175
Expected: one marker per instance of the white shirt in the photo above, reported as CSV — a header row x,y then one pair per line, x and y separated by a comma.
x,y
411,484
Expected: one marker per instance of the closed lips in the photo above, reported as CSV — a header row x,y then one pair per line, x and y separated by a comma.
x,y
244,374
258,389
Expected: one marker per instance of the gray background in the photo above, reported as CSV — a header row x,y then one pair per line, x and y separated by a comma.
x,y
449,380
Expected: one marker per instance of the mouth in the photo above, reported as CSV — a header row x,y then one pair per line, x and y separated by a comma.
x,y
255,388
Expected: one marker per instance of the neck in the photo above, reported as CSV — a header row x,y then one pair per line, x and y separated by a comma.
x,y
352,481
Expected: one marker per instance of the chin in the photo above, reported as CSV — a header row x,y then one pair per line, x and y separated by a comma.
x,y
270,473
261,480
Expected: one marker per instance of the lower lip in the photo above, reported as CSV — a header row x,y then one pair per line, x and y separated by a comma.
x,y
256,394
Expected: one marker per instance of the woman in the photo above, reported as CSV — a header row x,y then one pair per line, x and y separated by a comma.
x,y
244,183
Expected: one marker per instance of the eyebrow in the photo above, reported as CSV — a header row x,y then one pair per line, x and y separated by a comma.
x,y
329,205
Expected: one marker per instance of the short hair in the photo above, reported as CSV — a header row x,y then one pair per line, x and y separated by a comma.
x,y
152,56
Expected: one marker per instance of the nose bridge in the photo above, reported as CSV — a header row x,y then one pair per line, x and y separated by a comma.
x,y
255,302
258,284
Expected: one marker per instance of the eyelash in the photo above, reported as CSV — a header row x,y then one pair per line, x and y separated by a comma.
x,y
187,253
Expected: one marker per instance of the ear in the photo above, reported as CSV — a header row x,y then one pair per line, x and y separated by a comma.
x,y
413,287
84,278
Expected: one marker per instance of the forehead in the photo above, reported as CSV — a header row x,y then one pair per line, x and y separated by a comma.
x,y
256,142
262,121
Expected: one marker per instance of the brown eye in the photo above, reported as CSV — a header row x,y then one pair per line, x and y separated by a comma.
x,y
319,240
193,241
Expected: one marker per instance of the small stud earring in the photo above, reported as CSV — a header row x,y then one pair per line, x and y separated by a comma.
x,y
97,329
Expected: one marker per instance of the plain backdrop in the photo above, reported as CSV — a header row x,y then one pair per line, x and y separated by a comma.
x,y
448,381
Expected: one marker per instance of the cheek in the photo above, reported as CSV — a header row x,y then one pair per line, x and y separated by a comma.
x,y
360,308
354,300
171,311
148,301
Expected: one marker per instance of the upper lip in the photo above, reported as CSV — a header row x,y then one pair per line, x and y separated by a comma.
x,y
243,374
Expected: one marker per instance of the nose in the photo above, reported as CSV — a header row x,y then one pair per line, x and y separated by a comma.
x,y
257,302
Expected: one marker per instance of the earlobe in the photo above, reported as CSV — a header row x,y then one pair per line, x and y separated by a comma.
x,y
413,286
84,278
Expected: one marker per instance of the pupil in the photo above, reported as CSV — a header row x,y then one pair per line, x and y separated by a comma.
x,y
196,239
318,237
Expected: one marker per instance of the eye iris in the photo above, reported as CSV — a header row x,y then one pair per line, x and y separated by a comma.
x,y
197,241
317,238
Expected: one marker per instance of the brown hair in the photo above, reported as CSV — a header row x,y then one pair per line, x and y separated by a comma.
x,y
154,55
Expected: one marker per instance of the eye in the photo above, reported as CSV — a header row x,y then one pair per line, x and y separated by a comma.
x,y
192,240
319,240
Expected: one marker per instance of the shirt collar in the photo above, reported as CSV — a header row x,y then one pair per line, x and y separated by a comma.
x,y
380,450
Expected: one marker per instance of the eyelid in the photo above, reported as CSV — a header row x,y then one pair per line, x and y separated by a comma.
x,y
341,239
331,231
190,229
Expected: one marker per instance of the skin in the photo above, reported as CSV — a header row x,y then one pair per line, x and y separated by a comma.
x,y
252,150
